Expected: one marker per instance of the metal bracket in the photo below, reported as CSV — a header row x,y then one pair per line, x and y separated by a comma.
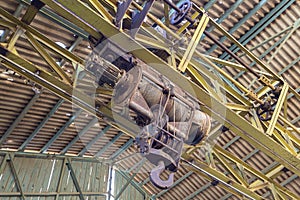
x,y
265,80
139,18
122,7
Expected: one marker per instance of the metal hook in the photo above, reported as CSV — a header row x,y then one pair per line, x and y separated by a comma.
x,y
155,177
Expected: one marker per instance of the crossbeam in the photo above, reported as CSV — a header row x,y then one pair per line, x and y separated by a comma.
x,y
212,106
23,175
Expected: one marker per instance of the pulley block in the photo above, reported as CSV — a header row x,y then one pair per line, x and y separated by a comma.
x,y
167,115
265,110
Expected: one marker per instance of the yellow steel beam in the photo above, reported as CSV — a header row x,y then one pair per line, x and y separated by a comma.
x,y
266,89
204,175
226,63
210,160
7,24
234,65
259,186
291,136
295,28
27,18
244,49
286,144
14,37
41,38
235,174
70,16
30,13
256,120
200,167
193,43
187,23
274,192
66,91
45,55
101,9
238,107
197,78
247,52
151,42
166,28
104,91
226,75
234,95
172,59
256,184
212,106
281,99
275,76
195,15
255,172
213,135
296,129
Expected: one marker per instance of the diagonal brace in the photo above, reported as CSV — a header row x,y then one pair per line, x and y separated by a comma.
x,y
193,43
277,110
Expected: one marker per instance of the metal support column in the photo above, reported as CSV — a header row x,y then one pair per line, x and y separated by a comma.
x,y
130,179
13,170
75,181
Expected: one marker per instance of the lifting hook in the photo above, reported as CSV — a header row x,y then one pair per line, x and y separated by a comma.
x,y
155,177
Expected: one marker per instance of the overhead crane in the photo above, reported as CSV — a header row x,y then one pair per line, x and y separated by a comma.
x,y
254,116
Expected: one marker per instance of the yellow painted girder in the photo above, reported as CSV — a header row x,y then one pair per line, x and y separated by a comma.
x,y
256,184
201,81
7,24
219,175
43,39
231,120
234,95
250,54
279,104
193,43
235,174
66,91
45,55
257,173
238,107
234,65
101,9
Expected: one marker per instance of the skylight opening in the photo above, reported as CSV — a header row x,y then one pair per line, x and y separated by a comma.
x,y
61,44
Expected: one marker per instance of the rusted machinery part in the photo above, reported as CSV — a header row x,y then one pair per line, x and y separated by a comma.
x,y
142,88
265,111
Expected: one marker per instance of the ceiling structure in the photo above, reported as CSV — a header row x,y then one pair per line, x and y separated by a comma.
x,y
44,108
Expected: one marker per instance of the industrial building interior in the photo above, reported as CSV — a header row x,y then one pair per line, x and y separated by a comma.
x,y
154,99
